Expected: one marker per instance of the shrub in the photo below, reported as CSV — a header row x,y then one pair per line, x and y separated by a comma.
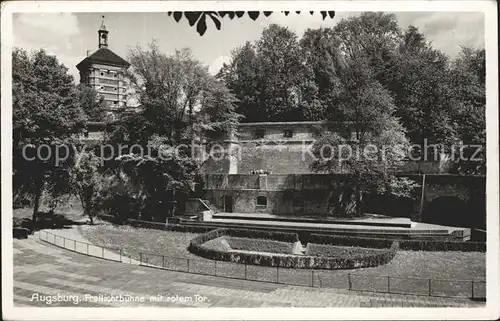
x,y
350,241
20,233
338,251
412,245
189,229
266,235
259,245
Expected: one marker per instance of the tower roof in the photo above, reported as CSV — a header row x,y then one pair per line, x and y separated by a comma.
x,y
105,57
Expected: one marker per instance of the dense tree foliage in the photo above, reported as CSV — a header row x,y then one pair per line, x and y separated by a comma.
x,y
46,113
438,100
181,104
270,78
85,180
92,105
373,143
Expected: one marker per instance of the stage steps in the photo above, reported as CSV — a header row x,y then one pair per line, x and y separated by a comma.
x,y
402,222
360,232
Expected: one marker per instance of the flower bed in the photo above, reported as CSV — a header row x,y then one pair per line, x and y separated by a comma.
x,y
345,261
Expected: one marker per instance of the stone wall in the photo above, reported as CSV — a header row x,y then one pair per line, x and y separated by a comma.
x,y
448,199
282,159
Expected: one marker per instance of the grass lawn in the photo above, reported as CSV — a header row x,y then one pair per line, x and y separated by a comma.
x,y
71,209
64,215
460,267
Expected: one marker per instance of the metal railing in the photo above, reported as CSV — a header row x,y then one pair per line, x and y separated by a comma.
x,y
472,289
85,248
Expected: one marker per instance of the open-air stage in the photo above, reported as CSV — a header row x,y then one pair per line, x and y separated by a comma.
x,y
368,226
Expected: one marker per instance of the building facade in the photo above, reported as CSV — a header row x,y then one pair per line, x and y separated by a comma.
x,y
453,200
104,71
285,148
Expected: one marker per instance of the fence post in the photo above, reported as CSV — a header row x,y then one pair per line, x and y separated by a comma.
x,y
349,280
430,287
277,274
472,288
388,284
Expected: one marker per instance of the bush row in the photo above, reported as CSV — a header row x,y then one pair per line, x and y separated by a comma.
x,y
20,232
22,223
157,225
412,245
337,251
288,261
259,245
350,241
266,235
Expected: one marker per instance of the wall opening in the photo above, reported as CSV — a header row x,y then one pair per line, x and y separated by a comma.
x,y
228,203
449,211
261,202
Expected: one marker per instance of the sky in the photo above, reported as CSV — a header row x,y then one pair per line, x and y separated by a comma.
x,y
70,35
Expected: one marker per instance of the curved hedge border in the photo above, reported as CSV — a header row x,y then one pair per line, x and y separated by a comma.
x,y
288,261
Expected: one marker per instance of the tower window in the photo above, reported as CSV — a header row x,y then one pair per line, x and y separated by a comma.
x,y
261,201
288,133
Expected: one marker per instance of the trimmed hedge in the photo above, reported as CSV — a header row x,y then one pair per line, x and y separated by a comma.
x,y
412,245
20,233
266,235
189,229
259,245
334,251
288,261
351,241
157,225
